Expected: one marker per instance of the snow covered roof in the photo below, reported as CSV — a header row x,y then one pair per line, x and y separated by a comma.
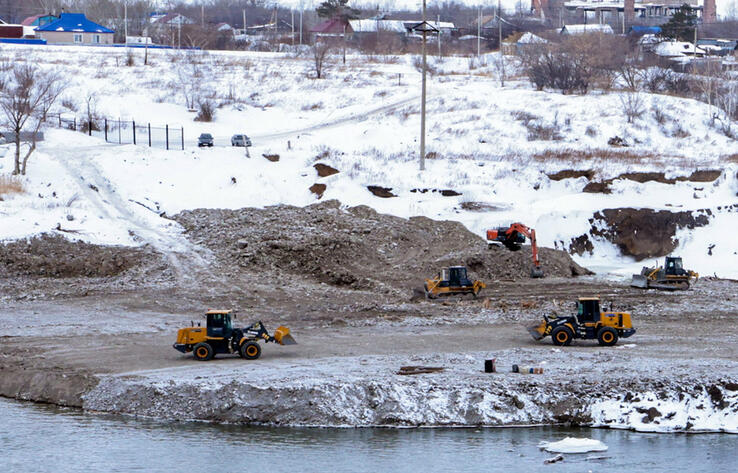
x,y
372,26
172,19
74,22
530,38
586,29
676,49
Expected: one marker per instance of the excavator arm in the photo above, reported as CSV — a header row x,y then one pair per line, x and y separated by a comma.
x,y
510,238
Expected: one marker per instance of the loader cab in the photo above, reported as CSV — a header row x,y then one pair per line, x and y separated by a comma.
x,y
219,323
588,309
673,266
454,276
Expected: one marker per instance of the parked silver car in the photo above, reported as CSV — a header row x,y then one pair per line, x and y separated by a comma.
x,y
240,140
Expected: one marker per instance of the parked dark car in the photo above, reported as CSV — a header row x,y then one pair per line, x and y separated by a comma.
x,y
205,139
240,140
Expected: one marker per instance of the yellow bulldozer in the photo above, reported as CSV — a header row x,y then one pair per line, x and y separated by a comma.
x,y
219,336
589,323
452,281
670,277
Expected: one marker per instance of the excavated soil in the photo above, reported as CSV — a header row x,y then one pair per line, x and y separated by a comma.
x,y
625,228
356,247
57,257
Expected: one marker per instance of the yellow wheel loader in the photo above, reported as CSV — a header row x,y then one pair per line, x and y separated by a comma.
x,y
219,336
589,323
452,281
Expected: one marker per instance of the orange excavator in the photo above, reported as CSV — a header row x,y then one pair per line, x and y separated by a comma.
x,y
512,237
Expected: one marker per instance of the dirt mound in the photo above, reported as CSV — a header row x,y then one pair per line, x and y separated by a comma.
x,y
641,233
356,247
56,257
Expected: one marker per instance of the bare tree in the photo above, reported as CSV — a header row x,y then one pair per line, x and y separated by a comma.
x,y
727,104
708,84
27,93
189,79
633,106
320,51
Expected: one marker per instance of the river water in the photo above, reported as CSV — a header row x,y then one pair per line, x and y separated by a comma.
x,y
35,438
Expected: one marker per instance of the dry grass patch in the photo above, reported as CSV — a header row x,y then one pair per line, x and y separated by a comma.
x,y
731,158
10,185
605,154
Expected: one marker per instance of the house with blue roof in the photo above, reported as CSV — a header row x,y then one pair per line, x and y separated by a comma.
x,y
75,28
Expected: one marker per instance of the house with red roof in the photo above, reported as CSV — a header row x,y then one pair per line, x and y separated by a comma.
x,y
39,20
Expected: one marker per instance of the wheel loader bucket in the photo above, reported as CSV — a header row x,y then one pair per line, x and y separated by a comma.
x,y
639,281
283,337
537,331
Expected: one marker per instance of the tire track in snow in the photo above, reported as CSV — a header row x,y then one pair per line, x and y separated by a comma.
x,y
352,118
184,257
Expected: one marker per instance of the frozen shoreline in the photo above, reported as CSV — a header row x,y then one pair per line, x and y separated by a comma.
x,y
366,392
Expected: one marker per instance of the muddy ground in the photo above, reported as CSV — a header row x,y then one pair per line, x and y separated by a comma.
x,y
103,341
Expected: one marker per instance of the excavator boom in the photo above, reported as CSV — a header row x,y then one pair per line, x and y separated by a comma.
x,y
512,237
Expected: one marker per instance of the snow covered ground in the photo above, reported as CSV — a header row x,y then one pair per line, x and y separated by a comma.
x,y
494,145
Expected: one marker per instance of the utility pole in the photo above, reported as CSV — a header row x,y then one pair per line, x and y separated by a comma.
x,y
292,24
479,32
438,27
244,21
422,99
301,10
499,24
202,16
125,19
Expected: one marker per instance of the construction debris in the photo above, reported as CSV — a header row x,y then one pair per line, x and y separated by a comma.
x,y
410,370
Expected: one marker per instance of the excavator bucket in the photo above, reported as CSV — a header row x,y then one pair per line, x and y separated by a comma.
x,y
283,337
537,331
639,281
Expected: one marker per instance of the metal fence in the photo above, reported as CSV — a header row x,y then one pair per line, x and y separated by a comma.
x,y
125,131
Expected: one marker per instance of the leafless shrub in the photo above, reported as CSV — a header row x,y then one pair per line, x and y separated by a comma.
x,y
591,131
654,79
429,68
10,185
206,110
679,131
130,58
610,155
69,104
539,131
677,84
320,52
523,116
657,110
632,105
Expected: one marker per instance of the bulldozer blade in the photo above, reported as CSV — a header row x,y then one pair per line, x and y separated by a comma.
x,y
639,281
283,337
533,331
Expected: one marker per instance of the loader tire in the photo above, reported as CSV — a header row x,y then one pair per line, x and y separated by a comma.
x,y
203,352
250,350
562,336
607,336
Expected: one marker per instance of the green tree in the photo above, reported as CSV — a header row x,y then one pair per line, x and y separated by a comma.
x,y
337,9
680,26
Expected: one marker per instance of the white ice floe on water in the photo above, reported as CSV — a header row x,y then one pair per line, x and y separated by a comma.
x,y
574,445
